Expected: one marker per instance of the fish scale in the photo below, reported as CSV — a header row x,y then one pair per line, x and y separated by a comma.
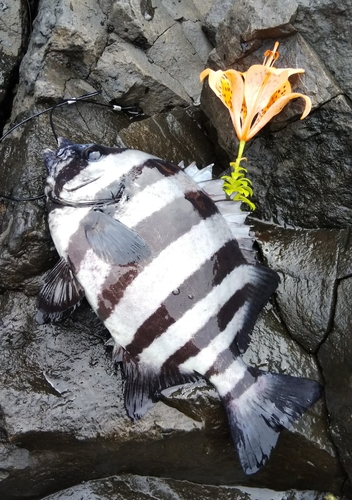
x,y
165,266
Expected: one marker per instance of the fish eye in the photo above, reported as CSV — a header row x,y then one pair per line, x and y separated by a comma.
x,y
93,154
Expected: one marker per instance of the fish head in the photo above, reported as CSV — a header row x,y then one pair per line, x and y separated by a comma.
x,y
79,173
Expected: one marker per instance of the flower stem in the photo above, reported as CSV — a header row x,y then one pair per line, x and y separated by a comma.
x,y
237,185
237,164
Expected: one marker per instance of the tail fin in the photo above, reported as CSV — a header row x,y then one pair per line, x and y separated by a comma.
x,y
256,417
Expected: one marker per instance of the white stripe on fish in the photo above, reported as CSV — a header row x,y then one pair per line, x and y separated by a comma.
x,y
153,198
197,245
193,320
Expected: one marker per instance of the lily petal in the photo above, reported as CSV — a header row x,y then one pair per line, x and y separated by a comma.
x,y
277,107
229,87
261,83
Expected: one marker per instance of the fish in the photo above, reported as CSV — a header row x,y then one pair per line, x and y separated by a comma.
x,y
161,257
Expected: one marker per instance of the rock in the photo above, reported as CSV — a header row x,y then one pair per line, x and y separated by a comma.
x,y
140,488
13,34
307,262
140,23
291,171
335,357
326,27
188,11
176,55
176,136
64,40
144,83
64,415
215,15
196,37
248,22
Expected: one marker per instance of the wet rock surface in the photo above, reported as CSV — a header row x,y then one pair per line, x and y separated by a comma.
x,y
140,488
13,33
62,419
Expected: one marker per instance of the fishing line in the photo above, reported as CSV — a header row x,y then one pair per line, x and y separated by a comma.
x,y
131,112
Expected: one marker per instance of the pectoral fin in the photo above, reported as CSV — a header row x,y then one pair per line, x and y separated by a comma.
x,y
60,295
112,241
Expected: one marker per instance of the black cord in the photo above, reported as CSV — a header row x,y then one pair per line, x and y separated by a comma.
x,y
130,111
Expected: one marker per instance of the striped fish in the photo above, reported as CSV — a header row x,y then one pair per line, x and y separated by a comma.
x,y
157,260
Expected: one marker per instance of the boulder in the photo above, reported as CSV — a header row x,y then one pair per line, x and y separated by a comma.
x,y
129,487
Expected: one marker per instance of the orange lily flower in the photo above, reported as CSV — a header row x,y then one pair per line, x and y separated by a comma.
x,y
254,97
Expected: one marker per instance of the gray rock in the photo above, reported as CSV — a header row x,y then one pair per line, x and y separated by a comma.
x,y
307,262
13,34
327,26
125,73
64,416
215,15
176,136
197,38
298,177
176,55
335,356
65,42
139,488
140,23
249,22
188,11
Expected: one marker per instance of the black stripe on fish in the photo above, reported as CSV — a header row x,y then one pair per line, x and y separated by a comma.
x,y
164,167
160,235
75,158
68,172
112,291
197,286
202,203
155,326
215,325
258,296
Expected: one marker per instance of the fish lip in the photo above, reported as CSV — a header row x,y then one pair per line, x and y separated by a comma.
x,y
49,159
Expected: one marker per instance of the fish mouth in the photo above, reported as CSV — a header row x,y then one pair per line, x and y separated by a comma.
x,y
50,157
49,160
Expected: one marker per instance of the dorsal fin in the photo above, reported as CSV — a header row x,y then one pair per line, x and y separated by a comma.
x,y
229,209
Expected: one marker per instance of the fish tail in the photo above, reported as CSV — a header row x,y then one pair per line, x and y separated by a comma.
x,y
260,406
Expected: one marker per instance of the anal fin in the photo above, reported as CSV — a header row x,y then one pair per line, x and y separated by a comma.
x,y
144,384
